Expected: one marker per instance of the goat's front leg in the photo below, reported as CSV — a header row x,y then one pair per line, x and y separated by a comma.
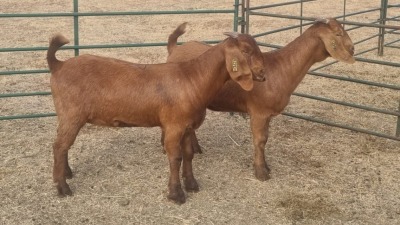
x,y
259,127
172,145
187,169
195,142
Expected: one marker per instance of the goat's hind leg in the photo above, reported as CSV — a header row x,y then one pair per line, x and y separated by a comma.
x,y
162,141
67,168
66,134
195,143
187,169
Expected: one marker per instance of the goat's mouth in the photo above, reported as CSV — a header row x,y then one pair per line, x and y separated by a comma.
x,y
259,76
350,59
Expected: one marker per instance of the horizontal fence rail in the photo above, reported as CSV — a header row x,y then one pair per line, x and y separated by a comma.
x,y
128,13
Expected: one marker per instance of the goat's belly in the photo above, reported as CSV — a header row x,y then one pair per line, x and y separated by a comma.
x,y
121,122
227,107
133,123
118,123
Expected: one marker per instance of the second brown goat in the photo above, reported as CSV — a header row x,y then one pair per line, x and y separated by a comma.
x,y
285,68
173,96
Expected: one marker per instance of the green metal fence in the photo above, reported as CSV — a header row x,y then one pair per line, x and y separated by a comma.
x,y
243,21
76,15
380,24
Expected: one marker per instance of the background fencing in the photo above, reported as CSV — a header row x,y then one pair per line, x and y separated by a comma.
x,y
76,15
381,30
243,14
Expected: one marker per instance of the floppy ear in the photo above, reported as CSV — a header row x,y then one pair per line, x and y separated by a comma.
x,y
238,68
331,45
336,49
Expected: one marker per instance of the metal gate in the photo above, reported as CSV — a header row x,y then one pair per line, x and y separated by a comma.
x,y
76,15
382,29
242,13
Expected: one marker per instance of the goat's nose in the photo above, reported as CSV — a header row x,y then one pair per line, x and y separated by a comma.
x,y
261,75
261,71
262,78
352,50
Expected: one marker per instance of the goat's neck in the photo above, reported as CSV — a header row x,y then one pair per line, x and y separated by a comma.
x,y
296,58
210,75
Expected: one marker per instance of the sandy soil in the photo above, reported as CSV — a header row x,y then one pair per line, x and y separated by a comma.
x,y
320,174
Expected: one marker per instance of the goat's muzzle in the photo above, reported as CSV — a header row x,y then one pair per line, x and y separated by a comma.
x,y
259,76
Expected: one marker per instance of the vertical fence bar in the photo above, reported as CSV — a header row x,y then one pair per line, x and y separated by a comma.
x,y
301,15
243,22
344,13
382,20
247,7
76,27
236,16
398,124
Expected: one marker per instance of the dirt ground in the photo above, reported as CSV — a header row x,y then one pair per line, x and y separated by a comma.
x,y
320,174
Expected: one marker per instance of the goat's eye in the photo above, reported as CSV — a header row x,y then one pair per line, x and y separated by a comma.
x,y
339,34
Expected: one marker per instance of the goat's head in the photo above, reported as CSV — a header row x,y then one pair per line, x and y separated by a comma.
x,y
336,40
244,60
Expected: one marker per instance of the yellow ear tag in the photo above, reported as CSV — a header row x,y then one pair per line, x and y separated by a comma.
x,y
334,45
234,65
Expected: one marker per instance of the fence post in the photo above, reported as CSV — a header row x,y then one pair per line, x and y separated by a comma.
x,y
382,20
344,14
243,18
301,15
76,27
398,124
236,16
247,13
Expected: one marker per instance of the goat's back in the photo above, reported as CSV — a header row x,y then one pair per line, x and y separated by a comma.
x,y
189,50
105,90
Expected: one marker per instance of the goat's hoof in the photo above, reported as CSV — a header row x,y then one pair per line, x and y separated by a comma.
x,y
177,197
63,190
267,168
262,174
191,185
197,149
68,174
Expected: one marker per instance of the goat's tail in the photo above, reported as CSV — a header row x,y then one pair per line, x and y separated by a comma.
x,y
54,44
173,38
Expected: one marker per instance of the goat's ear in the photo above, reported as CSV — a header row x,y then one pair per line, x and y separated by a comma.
x,y
336,49
238,68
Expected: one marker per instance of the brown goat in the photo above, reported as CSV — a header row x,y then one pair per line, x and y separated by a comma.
x,y
286,68
174,96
